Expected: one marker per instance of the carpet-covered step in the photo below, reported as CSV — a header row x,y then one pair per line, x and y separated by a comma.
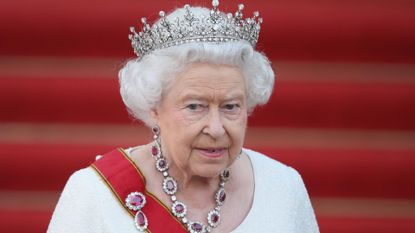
x,y
24,221
326,95
352,173
348,164
366,225
296,30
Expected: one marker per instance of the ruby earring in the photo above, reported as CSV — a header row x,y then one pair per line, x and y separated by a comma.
x,y
156,131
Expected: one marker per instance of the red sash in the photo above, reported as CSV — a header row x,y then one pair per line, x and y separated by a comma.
x,y
123,177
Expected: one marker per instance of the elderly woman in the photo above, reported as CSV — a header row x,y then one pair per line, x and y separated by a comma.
x,y
195,82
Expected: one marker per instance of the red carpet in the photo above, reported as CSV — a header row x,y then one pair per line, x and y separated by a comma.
x,y
338,30
325,104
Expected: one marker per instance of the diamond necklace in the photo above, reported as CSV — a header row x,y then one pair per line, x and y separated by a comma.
x,y
178,208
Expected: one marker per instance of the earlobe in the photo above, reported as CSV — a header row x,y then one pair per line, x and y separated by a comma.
x,y
154,115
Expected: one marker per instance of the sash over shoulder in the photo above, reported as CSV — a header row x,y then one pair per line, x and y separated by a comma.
x,y
123,177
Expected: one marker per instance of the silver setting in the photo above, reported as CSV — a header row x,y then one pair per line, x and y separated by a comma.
x,y
161,160
191,230
167,191
141,228
209,218
216,27
133,207
217,197
173,209
224,176
158,148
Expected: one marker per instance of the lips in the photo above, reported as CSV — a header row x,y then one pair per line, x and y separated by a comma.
x,y
212,152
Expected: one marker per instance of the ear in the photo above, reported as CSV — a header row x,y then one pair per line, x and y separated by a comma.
x,y
154,115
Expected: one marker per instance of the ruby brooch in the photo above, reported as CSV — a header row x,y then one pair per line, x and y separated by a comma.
x,y
135,201
140,221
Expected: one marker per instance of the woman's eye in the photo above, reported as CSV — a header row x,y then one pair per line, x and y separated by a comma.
x,y
231,107
194,107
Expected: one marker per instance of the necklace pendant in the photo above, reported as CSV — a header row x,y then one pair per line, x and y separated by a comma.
x,y
179,209
220,197
140,220
156,150
169,185
196,227
224,176
213,218
162,165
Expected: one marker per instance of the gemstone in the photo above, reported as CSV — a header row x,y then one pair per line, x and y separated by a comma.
x,y
226,174
162,163
136,200
179,208
197,227
154,150
215,218
141,221
222,196
170,185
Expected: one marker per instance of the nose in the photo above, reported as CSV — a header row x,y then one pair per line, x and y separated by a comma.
x,y
214,125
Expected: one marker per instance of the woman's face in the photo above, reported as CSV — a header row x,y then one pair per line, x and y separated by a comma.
x,y
203,118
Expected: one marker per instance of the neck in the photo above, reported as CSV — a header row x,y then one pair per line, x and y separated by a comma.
x,y
194,189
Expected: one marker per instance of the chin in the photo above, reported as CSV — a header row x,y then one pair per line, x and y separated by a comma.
x,y
209,170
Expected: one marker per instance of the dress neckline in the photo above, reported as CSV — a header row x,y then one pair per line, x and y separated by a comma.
x,y
251,161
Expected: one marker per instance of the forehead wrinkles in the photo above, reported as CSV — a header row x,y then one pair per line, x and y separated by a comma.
x,y
213,79
211,90
214,85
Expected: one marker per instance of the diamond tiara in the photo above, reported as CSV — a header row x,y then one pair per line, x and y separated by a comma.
x,y
217,27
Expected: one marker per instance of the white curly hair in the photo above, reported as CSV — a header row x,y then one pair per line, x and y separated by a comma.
x,y
143,82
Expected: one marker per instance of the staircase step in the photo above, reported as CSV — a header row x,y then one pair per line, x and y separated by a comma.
x,y
292,30
332,162
365,225
305,95
24,221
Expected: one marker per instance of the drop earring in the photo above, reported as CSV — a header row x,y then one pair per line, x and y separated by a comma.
x,y
156,131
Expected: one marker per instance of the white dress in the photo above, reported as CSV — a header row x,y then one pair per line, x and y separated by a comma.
x,y
281,203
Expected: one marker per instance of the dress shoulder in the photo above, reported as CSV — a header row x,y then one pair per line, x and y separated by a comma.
x,y
76,204
280,198
264,164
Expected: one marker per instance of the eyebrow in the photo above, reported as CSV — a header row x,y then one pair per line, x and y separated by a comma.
x,y
232,95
